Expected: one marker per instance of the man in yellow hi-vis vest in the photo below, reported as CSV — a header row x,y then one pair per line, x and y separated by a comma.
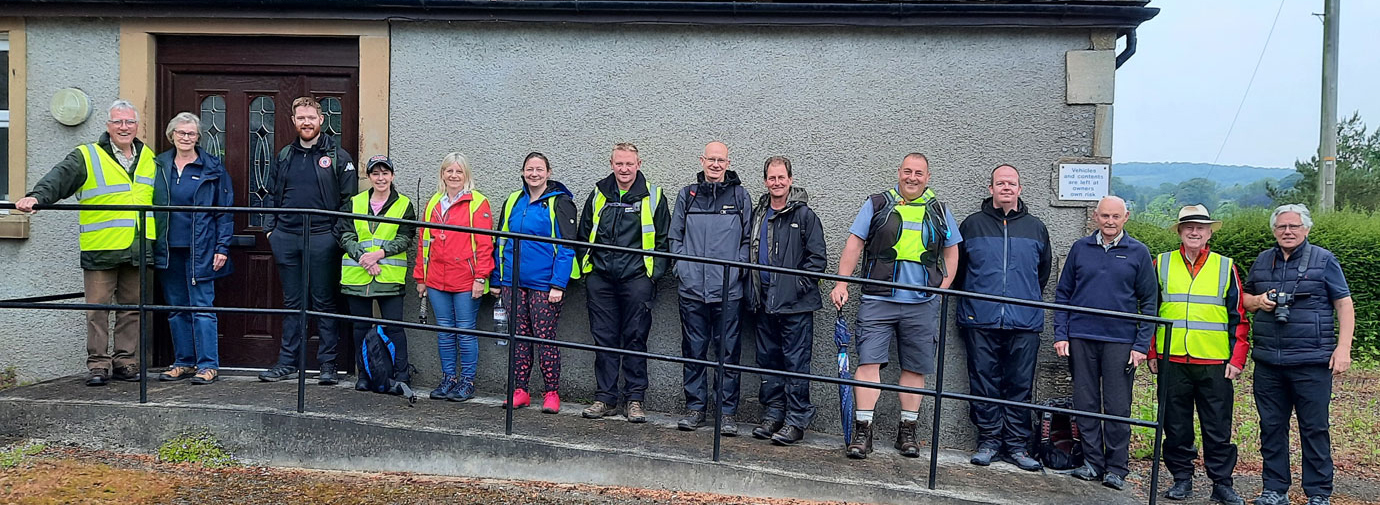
x,y
623,210
1201,291
115,170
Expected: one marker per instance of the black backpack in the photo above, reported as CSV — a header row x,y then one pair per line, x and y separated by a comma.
x,y
1056,441
377,354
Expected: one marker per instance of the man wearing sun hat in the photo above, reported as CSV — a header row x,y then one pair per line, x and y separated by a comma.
x,y
1201,291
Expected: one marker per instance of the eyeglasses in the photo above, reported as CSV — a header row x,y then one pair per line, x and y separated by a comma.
x,y
123,122
1287,227
714,161
185,135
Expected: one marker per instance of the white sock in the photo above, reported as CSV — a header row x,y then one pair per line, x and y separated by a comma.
x,y
863,416
907,415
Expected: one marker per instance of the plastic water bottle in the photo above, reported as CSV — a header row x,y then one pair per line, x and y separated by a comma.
x,y
500,320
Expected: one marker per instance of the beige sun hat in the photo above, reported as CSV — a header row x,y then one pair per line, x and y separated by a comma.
x,y
1195,214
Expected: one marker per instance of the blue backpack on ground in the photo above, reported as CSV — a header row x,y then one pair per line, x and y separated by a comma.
x,y
377,355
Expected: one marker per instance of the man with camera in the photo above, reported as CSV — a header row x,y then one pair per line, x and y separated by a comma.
x,y
1295,290
1201,292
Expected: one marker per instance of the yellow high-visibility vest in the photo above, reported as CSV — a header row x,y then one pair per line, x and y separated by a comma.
x,y
910,244
392,268
648,207
1198,306
508,214
108,183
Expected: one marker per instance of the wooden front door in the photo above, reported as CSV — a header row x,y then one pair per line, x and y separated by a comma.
x,y
242,88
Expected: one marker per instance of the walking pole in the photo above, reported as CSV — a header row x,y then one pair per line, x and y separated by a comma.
x,y
512,341
143,313
719,371
938,387
302,323
1159,415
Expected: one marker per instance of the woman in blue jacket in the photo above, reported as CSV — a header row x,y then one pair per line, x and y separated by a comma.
x,y
193,248
542,207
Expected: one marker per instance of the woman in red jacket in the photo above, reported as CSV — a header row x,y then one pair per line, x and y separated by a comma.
x,y
452,271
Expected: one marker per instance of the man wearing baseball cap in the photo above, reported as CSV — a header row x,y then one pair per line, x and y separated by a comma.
x,y
1207,348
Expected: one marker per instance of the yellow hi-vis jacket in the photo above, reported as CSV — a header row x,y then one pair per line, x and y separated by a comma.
x,y
648,205
108,183
392,269
1197,305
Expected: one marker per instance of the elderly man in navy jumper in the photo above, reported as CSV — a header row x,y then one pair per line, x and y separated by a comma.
x,y
1107,270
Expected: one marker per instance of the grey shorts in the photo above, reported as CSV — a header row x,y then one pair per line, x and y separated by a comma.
x,y
914,327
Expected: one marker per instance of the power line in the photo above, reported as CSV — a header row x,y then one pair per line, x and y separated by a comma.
x,y
1249,83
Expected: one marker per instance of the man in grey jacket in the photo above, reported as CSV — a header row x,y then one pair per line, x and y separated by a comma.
x,y
711,219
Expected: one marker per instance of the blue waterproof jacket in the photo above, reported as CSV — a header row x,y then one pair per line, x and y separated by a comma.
x,y
544,265
211,231
1005,254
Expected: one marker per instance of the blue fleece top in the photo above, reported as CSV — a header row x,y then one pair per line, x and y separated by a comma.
x,y
1120,278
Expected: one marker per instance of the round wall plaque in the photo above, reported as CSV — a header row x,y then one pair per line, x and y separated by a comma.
x,y
71,106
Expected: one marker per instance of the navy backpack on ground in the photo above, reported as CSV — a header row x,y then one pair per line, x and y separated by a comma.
x,y
1056,442
377,354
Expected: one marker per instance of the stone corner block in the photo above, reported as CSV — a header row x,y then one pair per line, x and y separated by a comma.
x,y
1091,77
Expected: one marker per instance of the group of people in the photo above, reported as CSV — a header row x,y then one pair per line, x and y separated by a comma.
x,y
905,235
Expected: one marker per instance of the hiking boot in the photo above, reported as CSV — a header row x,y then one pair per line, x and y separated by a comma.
x,y
277,373
728,427
787,435
768,428
983,456
448,382
1226,495
635,413
463,390
126,373
905,440
861,445
691,422
1114,481
205,376
1023,461
599,410
551,403
1085,472
1319,500
520,399
328,376
1181,490
98,377
177,373
1269,497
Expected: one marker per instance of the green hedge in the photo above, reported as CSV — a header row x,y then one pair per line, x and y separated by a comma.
x,y
1353,236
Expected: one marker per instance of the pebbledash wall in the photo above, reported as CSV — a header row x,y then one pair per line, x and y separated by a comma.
x,y
844,103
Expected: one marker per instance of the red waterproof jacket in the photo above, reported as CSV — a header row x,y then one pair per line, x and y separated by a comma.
x,y
453,260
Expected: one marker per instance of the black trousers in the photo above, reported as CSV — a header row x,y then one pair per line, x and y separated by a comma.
x,y
1001,364
1307,392
1101,384
322,262
390,307
1207,388
700,327
620,316
786,342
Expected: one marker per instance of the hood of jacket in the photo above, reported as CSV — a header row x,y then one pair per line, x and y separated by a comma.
x,y
1020,211
609,187
553,189
794,199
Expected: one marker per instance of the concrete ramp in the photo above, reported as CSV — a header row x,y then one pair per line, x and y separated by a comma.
x,y
348,430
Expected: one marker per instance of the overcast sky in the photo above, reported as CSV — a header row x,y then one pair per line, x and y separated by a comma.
x,y
1175,98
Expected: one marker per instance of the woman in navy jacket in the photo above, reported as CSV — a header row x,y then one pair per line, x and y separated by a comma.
x,y
193,248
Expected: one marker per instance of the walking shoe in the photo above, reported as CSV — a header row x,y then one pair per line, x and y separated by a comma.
x,y
983,456
768,428
98,377
635,413
205,376
328,376
1023,460
787,435
691,422
1227,495
448,383
126,373
1085,472
1114,481
277,373
177,373
1181,490
861,445
1269,497
905,440
463,390
728,427
551,403
598,410
520,399
1318,499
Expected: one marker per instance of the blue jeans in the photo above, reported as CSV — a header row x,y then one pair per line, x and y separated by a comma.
x,y
456,310
193,333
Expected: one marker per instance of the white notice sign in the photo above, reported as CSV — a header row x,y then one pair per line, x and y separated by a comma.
x,y
1084,182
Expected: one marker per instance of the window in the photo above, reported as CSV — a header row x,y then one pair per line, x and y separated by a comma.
x,y
5,117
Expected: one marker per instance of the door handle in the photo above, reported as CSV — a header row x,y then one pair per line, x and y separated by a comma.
x,y
243,240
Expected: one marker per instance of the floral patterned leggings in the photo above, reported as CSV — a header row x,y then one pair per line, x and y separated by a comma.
x,y
535,315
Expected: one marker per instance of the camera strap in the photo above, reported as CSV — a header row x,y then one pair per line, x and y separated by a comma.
x,y
1303,266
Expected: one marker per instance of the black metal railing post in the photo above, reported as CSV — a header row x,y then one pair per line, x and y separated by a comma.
x,y
938,387
513,298
140,232
302,325
714,393
1163,358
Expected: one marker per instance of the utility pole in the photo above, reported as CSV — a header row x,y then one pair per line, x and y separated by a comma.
x,y
1327,145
